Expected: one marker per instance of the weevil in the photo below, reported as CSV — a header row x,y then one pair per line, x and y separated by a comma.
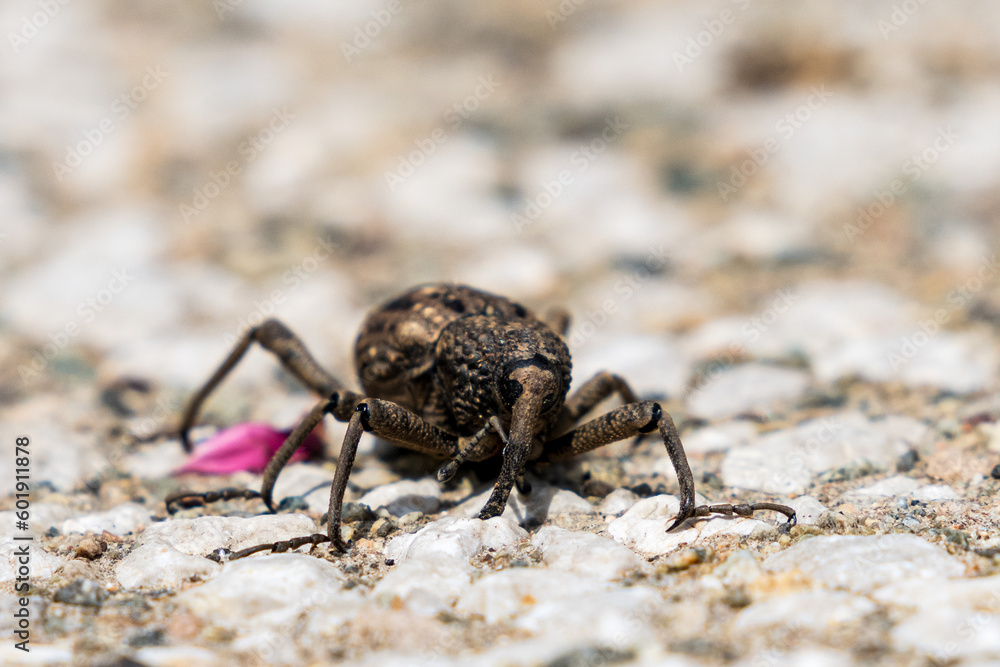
x,y
461,375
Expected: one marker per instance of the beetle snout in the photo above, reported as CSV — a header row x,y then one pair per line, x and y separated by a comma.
x,y
532,380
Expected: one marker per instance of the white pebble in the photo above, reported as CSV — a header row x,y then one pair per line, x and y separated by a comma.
x,y
43,564
747,388
272,591
585,553
121,520
159,566
785,462
433,567
543,502
643,528
900,485
861,564
307,480
455,540
171,553
405,496
171,656
425,587
617,502
827,610
948,619
718,437
209,533
807,509
501,596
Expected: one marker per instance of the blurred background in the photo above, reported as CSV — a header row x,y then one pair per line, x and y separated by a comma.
x,y
701,184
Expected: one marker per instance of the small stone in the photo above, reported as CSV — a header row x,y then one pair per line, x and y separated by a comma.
x,y
720,437
543,502
711,480
737,597
562,549
43,564
686,558
861,564
455,540
597,488
410,519
812,611
995,473
89,548
739,569
354,512
747,388
171,553
907,487
293,504
121,520
946,618
617,502
786,461
147,637
890,486
807,509
251,597
157,566
907,460
643,528
84,592
383,527
432,565
503,595
405,496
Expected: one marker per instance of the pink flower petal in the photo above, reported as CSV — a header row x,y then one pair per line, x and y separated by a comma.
x,y
246,446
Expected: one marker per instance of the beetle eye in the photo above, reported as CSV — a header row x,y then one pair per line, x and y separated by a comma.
x,y
510,391
548,402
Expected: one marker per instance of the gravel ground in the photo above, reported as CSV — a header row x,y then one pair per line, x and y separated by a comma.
x,y
778,219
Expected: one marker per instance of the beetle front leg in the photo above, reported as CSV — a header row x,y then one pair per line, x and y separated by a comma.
x,y
637,419
382,418
278,339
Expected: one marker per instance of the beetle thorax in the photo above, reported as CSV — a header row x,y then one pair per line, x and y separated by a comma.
x,y
475,355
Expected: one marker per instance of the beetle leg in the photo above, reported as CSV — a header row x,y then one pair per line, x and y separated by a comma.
x,y
293,355
590,393
472,451
636,419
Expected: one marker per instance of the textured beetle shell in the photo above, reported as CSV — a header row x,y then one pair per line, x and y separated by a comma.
x,y
398,350
472,353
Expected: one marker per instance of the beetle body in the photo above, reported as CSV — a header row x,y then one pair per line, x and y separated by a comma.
x,y
463,375
437,350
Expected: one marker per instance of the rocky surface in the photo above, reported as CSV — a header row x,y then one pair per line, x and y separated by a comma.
x,y
779,220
